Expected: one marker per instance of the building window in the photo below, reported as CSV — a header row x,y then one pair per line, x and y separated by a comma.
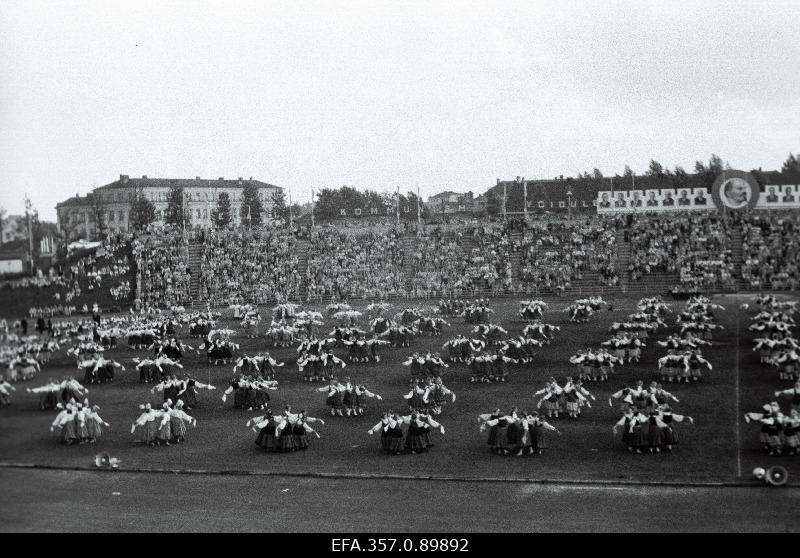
x,y
205,214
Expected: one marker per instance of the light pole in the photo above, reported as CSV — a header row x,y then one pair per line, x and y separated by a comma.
x,y
569,204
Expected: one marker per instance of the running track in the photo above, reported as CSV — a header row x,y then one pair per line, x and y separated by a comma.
x,y
66,500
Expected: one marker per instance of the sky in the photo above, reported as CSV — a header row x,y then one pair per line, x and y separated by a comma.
x,y
435,95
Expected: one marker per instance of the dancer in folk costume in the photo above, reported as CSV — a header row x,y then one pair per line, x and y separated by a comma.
x,y
579,313
147,425
334,397
788,364
658,396
373,346
355,398
163,424
791,433
149,370
288,430
668,418
515,350
264,426
771,427
267,366
625,396
391,431
576,397
415,396
671,367
99,369
692,365
178,421
93,421
357,351
416,362
540,331
435,395
5,393
640,395
534,437
794,392
301,430
625,425
187,391
250,324
552,393
48,395
66,423
531,310
418,433
22,368
498,424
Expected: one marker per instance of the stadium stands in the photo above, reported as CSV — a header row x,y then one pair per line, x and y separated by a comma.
x,y
656,253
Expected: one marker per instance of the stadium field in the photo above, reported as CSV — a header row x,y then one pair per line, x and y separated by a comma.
x,y
718,448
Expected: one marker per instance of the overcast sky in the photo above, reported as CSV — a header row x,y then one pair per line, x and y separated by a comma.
x,y
378,94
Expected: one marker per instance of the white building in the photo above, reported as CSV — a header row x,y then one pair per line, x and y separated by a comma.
x,y
76,215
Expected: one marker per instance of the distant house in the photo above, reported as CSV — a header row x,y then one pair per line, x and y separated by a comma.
x,y
13,228
13,257
451,202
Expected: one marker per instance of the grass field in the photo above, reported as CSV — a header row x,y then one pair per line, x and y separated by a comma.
x,y
719,447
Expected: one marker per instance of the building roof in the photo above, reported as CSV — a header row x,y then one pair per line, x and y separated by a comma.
x,y
445,194
76,201
144,182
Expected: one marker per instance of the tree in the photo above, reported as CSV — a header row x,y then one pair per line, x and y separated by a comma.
x,y
143,212
279,209
758,174
627,172
791,165
655,168
494,206
597,174
715,164
99,215
251,205
3,214
680,178
699,167
174,215
221,215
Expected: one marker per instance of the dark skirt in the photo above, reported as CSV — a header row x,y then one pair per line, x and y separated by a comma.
x,y
538,438
189,397
501,438
638,437
238,398
655,436
670,436
300,437
287,441
395,440
48,401
415,440
514,435
68,432
266,438
335,401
